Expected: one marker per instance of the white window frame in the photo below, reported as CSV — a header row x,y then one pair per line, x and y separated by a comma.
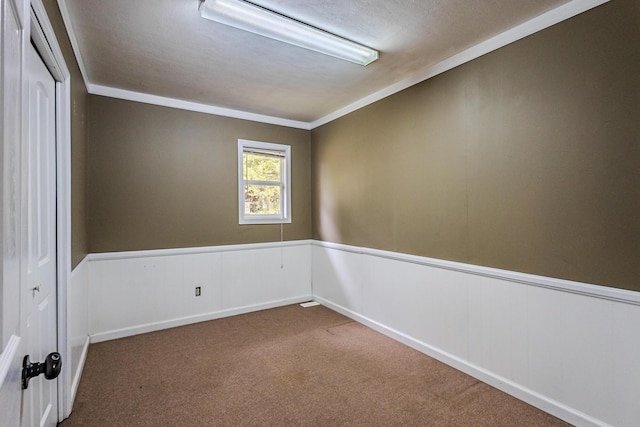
x,y
245,145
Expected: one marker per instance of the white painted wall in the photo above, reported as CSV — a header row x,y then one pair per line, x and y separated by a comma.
x,y
569,348
78,324
142,291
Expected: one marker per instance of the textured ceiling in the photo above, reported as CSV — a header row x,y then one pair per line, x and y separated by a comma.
x,y
164,48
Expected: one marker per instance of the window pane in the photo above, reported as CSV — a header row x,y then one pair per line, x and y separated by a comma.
x,y
262,200
264,183
260,167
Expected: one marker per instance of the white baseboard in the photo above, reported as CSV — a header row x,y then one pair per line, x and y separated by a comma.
x,y
565,347
77,332
157,326
550,406
79,369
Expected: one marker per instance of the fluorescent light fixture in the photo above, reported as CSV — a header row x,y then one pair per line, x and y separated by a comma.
x,y
249,17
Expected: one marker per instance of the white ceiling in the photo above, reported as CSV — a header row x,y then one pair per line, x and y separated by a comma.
x,y
164,48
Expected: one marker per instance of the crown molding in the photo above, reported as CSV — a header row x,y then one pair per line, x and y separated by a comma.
x,y
192,106
514,34
75,46
539,23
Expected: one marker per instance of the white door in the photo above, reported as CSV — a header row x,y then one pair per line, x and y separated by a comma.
x,y
11,141
39,317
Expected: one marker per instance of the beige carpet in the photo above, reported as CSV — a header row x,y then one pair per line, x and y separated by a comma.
x,y
289,366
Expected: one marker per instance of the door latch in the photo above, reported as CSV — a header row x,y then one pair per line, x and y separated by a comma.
x,y
50,368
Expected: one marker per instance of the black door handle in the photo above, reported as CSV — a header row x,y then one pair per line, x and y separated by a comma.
x,y
50,368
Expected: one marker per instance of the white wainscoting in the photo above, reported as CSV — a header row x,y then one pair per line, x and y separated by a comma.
x,y
78,324
142,291
571,349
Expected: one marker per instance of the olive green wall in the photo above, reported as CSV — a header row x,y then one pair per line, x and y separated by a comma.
x,y
79,242
167,178
526,159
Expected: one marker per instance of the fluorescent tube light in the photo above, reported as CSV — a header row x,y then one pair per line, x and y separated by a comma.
x,y
249,17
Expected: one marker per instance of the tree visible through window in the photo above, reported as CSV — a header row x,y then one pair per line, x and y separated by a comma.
x,y
263,182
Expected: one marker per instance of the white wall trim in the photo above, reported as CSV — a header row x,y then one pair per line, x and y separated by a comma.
x,y
78,374
78,326
48,47
514,34
586,289
63,219
192,106
360,300
535,399
145,98
8,355
66,18
539,23
166,324
194,250
143,291
78,267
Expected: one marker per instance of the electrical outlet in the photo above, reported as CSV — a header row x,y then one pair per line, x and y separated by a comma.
x,y
198,291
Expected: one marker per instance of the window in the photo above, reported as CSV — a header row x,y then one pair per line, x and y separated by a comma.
x,y
264,182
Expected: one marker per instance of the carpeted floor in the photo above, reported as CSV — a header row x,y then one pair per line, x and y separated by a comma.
x,y
289,366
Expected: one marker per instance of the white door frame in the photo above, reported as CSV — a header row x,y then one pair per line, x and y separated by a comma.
x,y
44,38
21,18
